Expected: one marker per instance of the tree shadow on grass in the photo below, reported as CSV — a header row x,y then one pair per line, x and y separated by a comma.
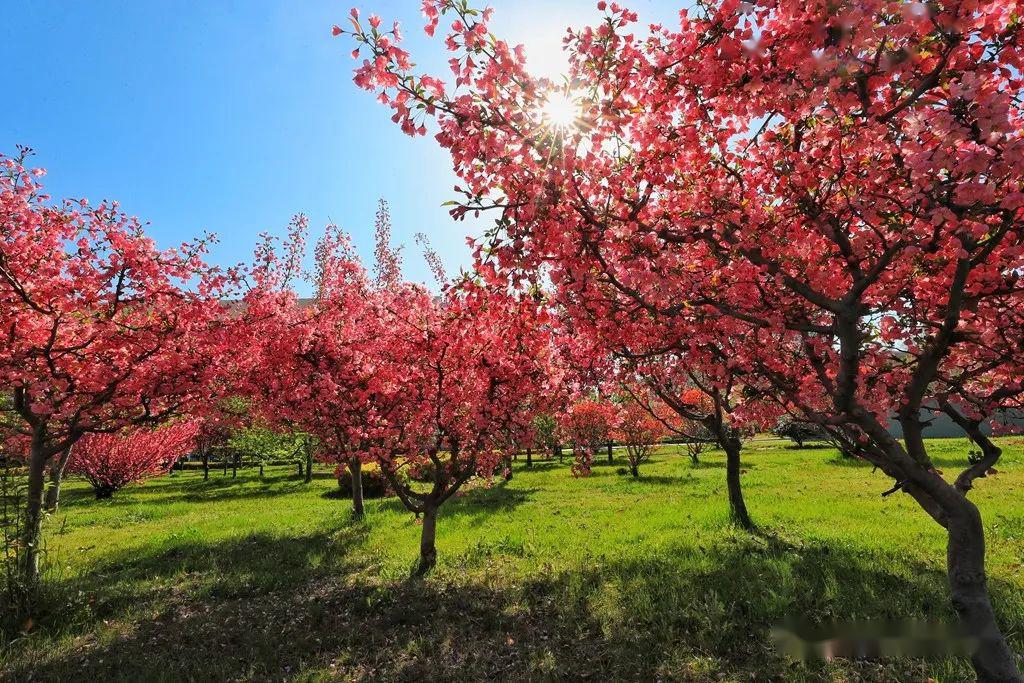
x,y
214,490
746,463
657,479
477,503
808,446
540,466
688,613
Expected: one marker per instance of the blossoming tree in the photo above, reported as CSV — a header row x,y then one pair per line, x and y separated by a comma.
x,y
842,179
101,329
462,367
315,360
639,430
589,424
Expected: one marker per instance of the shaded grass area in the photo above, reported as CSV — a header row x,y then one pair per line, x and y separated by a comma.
x,y
544,577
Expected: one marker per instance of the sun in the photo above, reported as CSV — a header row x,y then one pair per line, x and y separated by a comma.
x,y
560,111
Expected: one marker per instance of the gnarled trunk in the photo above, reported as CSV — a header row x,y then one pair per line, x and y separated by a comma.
x,y
355,468
529,457
737,506
56,477
611,457
428,550
965,565
206,463
309,465
965,550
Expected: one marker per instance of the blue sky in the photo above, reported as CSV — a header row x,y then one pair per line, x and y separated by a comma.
x,y
232,115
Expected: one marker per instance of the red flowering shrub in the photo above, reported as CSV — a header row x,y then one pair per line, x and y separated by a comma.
x,y
112,461
588,424
639,432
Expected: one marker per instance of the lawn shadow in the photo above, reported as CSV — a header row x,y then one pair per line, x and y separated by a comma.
x,y
481,502
541,467
808,446
745,463
477,503
687,613
216,489
658,479
235,568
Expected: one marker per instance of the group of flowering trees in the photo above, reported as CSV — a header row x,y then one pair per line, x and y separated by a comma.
x,y
814,208
638,425
379,370
107,338
101,330
811,210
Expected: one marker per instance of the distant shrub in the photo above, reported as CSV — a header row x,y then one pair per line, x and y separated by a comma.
x,y
375,485
799,432
621,471
112,461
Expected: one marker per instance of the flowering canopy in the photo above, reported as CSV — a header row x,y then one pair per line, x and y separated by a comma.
x,y
101,329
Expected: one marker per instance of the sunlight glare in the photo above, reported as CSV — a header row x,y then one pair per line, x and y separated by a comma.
x,y
560,111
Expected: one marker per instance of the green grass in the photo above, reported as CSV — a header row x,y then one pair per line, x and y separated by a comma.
x,y
544,577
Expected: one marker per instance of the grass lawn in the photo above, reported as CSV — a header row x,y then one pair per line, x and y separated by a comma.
x,y
544,577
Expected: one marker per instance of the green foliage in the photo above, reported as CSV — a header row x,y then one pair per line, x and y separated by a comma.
x,y
544,577
546,429
16,595
264,445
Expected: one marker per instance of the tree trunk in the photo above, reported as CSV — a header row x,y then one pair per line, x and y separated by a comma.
x,y
635,470
965,554
56,477
737,507
224,461
508,468
611,458
309,465
965,564
529,457
355,468
32,533
300,468
558,452
234,465
206,464
261,469
428,551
